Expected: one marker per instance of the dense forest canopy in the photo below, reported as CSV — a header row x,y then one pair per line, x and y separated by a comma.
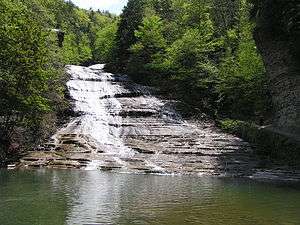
x,y
218,57
32,77
203,52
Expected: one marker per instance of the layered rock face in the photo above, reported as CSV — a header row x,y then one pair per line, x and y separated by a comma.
x,y
277,38
123,127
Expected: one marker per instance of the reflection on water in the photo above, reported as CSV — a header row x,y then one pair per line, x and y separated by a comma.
x,y
54,197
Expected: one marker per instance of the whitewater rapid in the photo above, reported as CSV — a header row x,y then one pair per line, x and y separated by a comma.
x,y
93,92
126,127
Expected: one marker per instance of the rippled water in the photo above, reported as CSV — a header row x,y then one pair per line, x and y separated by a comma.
x,y
54,197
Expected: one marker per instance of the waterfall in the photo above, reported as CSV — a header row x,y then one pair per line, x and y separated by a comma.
x,y
93,92
127,127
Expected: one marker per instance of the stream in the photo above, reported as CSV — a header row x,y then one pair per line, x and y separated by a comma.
x,y
79,197
132,159
127,127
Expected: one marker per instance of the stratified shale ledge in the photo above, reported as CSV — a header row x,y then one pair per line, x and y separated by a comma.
x,y
124,127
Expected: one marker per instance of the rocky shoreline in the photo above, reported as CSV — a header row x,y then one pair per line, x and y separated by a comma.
x,y
148,136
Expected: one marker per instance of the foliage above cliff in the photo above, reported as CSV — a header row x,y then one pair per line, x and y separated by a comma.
x,y
31,63
202,52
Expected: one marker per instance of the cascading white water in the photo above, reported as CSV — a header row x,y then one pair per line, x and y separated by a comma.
x,y
93,92
122,127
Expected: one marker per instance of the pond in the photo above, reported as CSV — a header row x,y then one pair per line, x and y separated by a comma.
x,y
57,197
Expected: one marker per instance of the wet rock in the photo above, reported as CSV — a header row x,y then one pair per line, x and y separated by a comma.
x,y
154,172
109,168
138,113
132,160
143,151
11,166
122,126
65,164
123,95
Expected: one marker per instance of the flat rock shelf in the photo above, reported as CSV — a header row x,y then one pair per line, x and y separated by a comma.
x,y
126,127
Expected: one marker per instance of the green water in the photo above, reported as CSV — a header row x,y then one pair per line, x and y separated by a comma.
x,y
54,197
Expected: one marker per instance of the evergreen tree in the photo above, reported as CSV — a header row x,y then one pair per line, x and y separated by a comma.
x,y
131,18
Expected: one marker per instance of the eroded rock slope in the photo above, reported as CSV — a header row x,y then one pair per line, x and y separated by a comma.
x,y
123,127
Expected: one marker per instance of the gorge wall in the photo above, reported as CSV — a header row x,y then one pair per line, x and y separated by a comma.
x,y
277,38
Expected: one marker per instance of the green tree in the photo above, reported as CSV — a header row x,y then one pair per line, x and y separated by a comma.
x,y
131,18
200,51
26,68
32,81
150,45
105,43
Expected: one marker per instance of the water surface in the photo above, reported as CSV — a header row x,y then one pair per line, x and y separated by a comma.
x,y
54,197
